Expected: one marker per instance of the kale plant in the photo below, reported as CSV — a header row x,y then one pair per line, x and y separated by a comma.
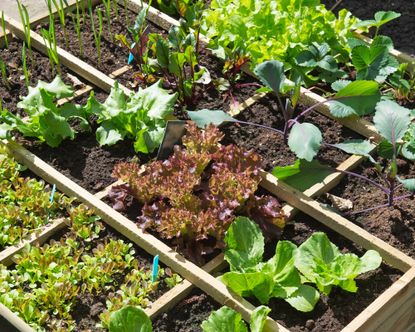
x,y
394,124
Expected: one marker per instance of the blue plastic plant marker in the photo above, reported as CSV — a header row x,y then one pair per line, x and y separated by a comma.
x,y
155,271
52,194
131,56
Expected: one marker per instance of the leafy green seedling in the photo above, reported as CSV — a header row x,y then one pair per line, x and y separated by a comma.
x,y
46,121
283,276
60,9
3,27
24,65
76,20
4,76
24,16
374,61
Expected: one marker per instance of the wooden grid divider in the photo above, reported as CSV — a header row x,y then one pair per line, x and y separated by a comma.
x,y
126,227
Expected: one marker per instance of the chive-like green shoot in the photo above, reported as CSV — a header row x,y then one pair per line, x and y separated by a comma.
x,y
107,6
50,41
4,76
3,26
24,16
60,9
24,65
97,34
77,23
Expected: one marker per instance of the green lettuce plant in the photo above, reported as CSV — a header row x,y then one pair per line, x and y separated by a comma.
x,y
270,29
130,319
285,275
45,120
141,117
25,204
250,276
322,263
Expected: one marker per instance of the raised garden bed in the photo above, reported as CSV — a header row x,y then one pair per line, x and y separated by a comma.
x,y
383,304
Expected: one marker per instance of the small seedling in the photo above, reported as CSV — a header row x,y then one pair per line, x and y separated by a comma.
x,y
107,6
24,65
24,16
60,9
4,76
3,26
77,24
97,34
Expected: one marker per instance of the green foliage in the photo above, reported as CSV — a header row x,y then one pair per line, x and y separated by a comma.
x,y
141,117
275,278
226,319
172,58
270,29
24,203
380,19
374,62
46,121
305,140
283,276
322,263
356,98
302,174
205,117
44,285
194,195
130,319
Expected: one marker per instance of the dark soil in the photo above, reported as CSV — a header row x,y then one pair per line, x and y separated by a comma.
x,y
394,225
39,69
401,30
83,160
5,326
334,312
271,145
187,315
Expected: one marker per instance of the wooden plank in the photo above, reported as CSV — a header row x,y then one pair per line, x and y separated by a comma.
x,y
14,320
146,241
81,68
247,103
341,225
394,310
179,292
